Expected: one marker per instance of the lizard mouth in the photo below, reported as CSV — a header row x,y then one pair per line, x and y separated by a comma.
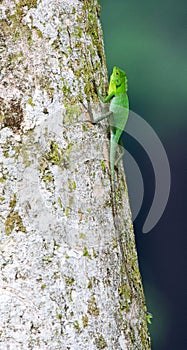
x,y
118,84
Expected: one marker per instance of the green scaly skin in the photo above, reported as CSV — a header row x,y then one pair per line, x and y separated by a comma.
x,y
118,112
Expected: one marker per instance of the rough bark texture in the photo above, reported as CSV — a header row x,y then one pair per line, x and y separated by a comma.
x,y
64,283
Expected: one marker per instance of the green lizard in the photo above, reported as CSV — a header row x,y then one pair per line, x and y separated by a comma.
x,y
118,112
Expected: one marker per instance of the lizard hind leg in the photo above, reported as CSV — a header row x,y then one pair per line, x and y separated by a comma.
x,y
106,115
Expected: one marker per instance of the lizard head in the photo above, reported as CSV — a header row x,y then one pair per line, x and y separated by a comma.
x,y
118,81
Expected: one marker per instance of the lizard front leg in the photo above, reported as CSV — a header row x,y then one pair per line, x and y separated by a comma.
x,y
106,115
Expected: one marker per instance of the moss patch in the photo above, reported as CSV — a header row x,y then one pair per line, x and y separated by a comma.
x,y
13,220
85,321
92,307
54,156
100,342
86,253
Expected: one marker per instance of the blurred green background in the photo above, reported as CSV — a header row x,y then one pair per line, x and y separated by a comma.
x,y
148,40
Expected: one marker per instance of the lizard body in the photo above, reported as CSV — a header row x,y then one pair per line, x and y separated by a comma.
x,y
118,112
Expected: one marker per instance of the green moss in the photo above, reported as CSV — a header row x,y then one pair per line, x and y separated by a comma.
x,y
22,150
3,178
43,286
45,84
85,321
43,165
28,3
69,148
72,112
56,275
59,316
94,253
85,127
92,307
69,281
16,26
78,34
48,259
82,236
86,72
76,326
124,296
86,253
5,153
16,35
73,11
47,178
16,57
115,243
30,102
100,342
92,27
54,156
39,33
66,90
71,185
60,202
12,203
14,221
70,296
103,165
20,10
90,285
67,212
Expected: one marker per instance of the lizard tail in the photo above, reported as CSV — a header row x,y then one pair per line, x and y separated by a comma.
x,y
113,149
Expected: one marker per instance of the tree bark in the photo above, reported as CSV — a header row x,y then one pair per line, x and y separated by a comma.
x,y
66,281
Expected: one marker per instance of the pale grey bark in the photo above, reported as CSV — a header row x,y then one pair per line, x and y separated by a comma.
x,y
64,283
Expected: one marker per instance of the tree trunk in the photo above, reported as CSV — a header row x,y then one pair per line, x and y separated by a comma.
x,y
66,280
